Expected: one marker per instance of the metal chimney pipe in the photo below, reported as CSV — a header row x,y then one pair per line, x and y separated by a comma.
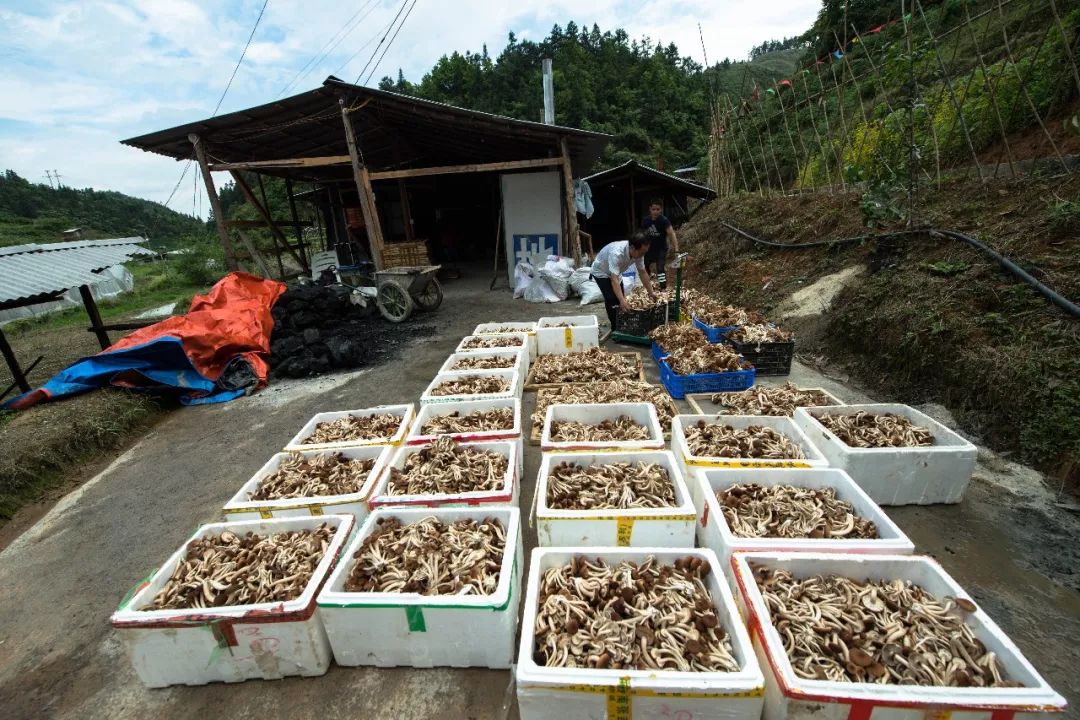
x,y
549,94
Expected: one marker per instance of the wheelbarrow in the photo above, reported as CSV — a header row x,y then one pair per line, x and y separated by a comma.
x,y
401,289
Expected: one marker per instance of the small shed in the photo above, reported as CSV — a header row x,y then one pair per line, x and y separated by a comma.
x,y
394,174
621,197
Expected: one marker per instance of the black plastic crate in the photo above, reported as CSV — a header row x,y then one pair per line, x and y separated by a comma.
x,y
768,358
641,322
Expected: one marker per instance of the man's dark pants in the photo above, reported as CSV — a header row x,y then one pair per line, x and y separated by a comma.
x,y
611,303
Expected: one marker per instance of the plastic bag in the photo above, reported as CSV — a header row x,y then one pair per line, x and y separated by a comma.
x,y
578,278
524,272
539,291
629,281
590,292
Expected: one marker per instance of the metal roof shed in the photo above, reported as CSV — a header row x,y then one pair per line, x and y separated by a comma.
x,y
341,132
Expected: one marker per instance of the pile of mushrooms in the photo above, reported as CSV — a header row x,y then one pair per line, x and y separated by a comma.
x,y
486,342
354,427
230,569
887,632
429,557
759,333
328,474
866,430
492,362
719,440
714,314
650,616
766,400
446,468
639,299
591,365
621,429
476,421
611,486
501,330
472,385
605,393
789,511
676,336
705,359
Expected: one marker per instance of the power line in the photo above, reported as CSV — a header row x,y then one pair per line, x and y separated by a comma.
x,y
176,187
394,37
381,41
242,54
330,45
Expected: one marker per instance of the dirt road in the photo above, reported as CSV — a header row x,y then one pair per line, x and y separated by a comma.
x,y
1012,549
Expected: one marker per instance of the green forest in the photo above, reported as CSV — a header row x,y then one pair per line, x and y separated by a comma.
x,y
37,213
653,99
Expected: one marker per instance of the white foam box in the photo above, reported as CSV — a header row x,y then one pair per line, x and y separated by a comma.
x,y
637,527
506,494
789,696
465,407
692,463
525,341
714,532
514,391
938,473
242,507
595,413
702,404
497,328
424,631
265,641
405,412
552,339
519,357
559,693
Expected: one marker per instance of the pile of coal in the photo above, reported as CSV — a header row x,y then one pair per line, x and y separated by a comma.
x,y
318,329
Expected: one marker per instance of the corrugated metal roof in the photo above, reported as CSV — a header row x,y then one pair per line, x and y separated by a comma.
x,y
47,270
633,167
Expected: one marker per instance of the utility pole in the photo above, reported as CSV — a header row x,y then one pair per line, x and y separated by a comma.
x,y
48,177
549,93
56,175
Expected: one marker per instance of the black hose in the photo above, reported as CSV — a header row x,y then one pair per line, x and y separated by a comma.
x,y
1059,300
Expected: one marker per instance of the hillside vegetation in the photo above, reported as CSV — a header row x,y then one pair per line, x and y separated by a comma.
x,y
653,100
36,213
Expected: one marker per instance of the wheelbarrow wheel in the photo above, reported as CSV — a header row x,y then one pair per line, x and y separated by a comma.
x,y
394,303
430,298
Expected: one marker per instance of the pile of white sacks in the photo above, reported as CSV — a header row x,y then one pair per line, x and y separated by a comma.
x,y
557,279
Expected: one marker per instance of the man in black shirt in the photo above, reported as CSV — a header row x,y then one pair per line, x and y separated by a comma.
x,y
661,235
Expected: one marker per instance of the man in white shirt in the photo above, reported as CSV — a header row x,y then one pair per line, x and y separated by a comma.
x,y
611,262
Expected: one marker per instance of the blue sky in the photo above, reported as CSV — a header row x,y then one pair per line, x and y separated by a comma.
x,y
80,75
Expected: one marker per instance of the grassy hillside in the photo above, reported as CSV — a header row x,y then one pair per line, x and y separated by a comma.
x,y
33,212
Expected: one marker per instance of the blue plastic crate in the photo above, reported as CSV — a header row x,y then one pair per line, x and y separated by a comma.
x,y
713,334
657,353
678,386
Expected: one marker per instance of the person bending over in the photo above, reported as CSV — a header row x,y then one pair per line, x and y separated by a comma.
x,y
611,262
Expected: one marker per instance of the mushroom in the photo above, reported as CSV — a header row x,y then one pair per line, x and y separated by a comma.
x,y
444,467
621,429
605,393
610,486
476,421
758,333
327,474
472,385
492,362
705,439
867,430
765,400
591,365
485,342
354,427
789,511
687,360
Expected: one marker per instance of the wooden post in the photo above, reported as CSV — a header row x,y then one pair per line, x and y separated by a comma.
x,y
13,364
215,203
633,210
363,188
264,213
95,317
296,221
406,211
571,205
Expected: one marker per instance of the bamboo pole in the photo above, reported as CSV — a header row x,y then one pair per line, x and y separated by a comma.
x,y
828,128
993,97
1067,42
787,127
817,135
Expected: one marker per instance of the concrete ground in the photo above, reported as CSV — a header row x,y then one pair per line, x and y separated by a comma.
x,y
1008,543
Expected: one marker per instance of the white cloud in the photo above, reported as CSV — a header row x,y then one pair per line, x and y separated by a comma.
x,y
82,74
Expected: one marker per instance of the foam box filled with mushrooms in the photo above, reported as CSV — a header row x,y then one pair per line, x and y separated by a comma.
x,y
762,400
235,602
897,454
383,425
589,366
496,359
739,441
495,341
478,385
471,421
448,473
299,484
427,588
791,509
502,328
637,632
572,333
611,426
612,391
895,636
613,499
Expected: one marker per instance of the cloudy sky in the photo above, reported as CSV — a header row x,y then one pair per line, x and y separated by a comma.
x,y
80,75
